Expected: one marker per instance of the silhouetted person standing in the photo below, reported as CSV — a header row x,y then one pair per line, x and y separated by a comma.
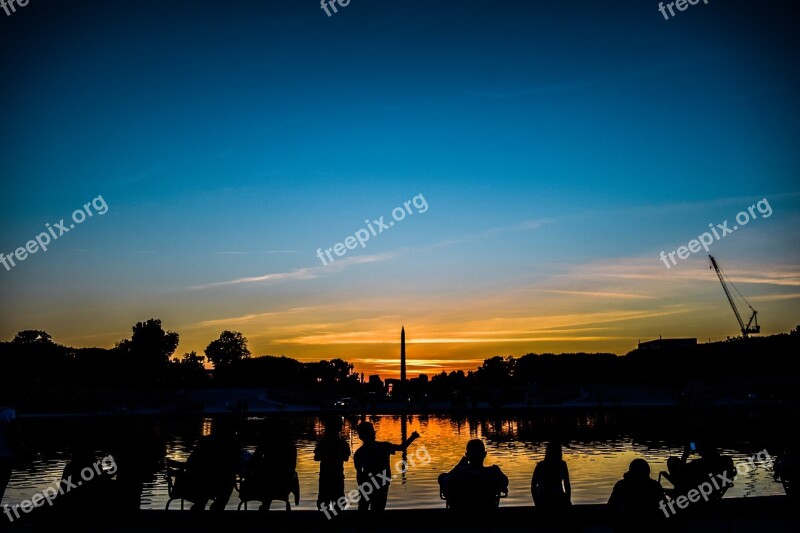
x,y
138,452
372,463
634,502
550,487
470,487
332,451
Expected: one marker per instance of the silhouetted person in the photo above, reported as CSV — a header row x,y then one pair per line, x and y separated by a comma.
x,y
635,502
787,468
550,487
10,445
8,439
272,467
212,466
471,488
86,481
676,468
372,463
686,476
138,453
332,451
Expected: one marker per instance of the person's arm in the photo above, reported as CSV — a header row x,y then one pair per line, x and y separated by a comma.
x,y
535,483
567,486
258,455
345,451
402,447
317,454
502,479
357,465
613,501
686,452
292,449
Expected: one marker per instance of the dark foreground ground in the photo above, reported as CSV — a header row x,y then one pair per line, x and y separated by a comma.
x,y
752,515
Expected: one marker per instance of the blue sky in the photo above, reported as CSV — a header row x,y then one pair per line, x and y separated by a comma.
x,y
553,142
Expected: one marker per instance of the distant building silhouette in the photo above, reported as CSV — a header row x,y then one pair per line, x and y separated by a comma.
x,y
667,344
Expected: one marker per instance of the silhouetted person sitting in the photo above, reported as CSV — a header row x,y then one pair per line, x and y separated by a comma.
x,y
12,449
272,467
786,470
711,466
372,463
635,500
332,451
550,487
87,486
471,488
211,468
9,439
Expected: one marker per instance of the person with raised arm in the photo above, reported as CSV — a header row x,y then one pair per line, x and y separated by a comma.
x,y
372,466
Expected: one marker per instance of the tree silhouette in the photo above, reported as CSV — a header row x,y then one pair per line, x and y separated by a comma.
x,y
150,347
189,368
227,350
32,336
192,360
333,371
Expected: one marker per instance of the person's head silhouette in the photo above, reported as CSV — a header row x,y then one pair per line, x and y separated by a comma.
x,y
333,426
476,452
639,469
553,452
366,432
706,449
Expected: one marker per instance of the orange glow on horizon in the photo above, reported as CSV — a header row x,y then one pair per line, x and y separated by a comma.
x,y
607,306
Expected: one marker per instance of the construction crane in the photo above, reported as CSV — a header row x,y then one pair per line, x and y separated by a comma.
x,y
746,330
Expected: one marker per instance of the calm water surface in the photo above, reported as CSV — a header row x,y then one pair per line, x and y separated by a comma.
x,y
597,454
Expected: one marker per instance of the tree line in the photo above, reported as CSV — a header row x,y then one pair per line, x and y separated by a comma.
x,y
147,360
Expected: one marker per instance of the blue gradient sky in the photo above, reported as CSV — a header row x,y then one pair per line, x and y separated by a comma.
x,y
560,147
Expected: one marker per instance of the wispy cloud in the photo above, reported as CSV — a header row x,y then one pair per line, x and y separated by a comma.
x,y
246,319
775,297
264,252
488,330
297,274
651,209
525,225
597,294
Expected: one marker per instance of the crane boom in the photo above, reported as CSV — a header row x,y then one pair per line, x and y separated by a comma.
x,y
746,329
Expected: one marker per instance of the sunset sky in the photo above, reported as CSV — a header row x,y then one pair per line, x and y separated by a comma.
x,y
559,147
